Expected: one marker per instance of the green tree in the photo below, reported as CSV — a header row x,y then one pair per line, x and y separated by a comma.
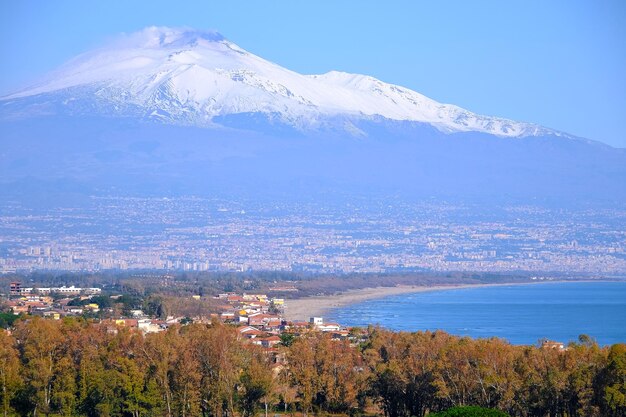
x,y
613,382
7,320
257,383
95,393
470,411
64,398
287,339
389,386
159,352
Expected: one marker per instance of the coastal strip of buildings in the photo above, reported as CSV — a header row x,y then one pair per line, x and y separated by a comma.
x,y
258,318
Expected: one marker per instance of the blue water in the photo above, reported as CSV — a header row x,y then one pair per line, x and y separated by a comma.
x,y
522,314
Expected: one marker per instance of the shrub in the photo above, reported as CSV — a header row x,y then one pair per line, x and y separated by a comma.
x,y
471,411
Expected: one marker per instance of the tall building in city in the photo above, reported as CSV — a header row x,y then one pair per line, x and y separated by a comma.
x,y
15,288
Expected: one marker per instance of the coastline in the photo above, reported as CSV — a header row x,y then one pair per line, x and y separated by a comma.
x,y
304,308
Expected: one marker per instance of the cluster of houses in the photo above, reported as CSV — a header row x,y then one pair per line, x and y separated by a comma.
x,y
253,309
266,314
143,324
258,317
43,303
550,344
260,320
55,303
50,301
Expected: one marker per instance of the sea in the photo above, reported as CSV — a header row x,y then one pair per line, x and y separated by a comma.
x,y
521,314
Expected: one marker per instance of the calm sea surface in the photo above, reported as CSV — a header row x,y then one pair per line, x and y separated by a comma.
x,y
522,314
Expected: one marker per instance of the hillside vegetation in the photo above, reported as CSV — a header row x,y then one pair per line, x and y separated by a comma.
x,y
76,368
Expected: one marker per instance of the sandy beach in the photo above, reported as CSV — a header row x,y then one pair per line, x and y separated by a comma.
x,y
303,308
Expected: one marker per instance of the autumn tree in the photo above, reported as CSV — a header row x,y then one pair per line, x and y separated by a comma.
x,y
219,358
328,374
74,367
41,348
302,372
9,372
186,378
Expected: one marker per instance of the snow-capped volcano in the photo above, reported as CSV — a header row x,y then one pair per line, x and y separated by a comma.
x,y
184,112
183,76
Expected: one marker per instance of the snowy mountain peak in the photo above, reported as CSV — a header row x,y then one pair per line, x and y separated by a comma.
x,y
165,37
186,76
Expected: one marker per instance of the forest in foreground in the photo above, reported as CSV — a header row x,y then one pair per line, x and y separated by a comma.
x,y
73,367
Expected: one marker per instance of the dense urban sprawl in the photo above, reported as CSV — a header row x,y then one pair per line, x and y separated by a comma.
x,y
192,234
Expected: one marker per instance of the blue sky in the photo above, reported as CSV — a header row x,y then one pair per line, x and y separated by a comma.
x,y
558,63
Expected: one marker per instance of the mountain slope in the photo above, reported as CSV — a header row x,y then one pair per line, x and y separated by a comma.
x,y
179,112
189,77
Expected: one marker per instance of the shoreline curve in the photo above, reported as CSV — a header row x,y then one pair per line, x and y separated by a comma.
x,y
304,308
